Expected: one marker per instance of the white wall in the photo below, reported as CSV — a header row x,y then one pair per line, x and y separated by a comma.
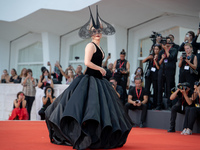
x,y
4,57
50,43
20,44
117,42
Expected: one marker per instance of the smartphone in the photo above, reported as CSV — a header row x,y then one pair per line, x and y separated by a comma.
x,y
48,63
49,90
46,77
109,54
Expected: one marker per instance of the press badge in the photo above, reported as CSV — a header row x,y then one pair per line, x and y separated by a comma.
x,y
186,68
198,51
153,69
182,107
165,60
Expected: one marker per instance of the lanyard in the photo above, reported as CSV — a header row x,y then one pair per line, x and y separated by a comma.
x,y
138,96
121,64
183,100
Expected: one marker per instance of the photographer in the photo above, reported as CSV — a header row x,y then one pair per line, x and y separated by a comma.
x,y
47,100
57,75
173,44
118,89
138,72
188,39
151,75
166,74
29,84
68,74
197,46
5,78
187,65
137,99
121,71
192,112
183,94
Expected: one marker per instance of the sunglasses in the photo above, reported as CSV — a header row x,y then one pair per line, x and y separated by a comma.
x,y
98,31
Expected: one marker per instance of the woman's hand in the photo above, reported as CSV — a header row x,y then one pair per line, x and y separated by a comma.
x,y
163,56
103,71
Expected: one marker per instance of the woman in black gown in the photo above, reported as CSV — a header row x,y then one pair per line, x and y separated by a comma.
x,y
89,114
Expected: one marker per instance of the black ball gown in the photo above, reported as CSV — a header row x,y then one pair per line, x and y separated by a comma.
x,y
88,114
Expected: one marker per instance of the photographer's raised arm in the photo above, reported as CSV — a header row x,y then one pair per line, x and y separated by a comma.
x,y
174,95
188,100
172,54
114,65
147,58
180,62
162,58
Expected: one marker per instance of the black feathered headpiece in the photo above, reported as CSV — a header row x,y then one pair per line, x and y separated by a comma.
x,y
107,29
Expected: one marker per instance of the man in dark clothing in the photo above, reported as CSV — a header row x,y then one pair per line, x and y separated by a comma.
x,y
173,45
196,45
184,95
118,89
137,99
166,75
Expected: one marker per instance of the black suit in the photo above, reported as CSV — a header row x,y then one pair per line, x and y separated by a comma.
x,y
166,75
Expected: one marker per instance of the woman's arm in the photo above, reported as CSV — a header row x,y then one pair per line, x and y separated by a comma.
x,y
44,100
180,62
194,65
62,72
89,51
24,104
40,83
174,95
17,104
147,58
51,83
114,66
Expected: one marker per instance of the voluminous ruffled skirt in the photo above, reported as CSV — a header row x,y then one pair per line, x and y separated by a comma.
x,y
88,114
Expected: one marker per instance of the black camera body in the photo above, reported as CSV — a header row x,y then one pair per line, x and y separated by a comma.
x,y
184,56
184,85
154,36
119,70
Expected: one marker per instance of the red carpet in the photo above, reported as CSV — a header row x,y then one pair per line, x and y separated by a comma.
x,y
33,135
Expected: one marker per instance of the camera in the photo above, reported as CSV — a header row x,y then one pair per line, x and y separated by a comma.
x,y
164,40
197,83
137,101
112,84
119,70
154,36
184,56
184,85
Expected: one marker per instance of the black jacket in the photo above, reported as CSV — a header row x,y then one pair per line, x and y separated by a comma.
x,y
171,60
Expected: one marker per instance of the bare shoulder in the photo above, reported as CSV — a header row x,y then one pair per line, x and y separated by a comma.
x,y
90,47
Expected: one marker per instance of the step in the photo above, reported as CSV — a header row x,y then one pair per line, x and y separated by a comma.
x,y
160,119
